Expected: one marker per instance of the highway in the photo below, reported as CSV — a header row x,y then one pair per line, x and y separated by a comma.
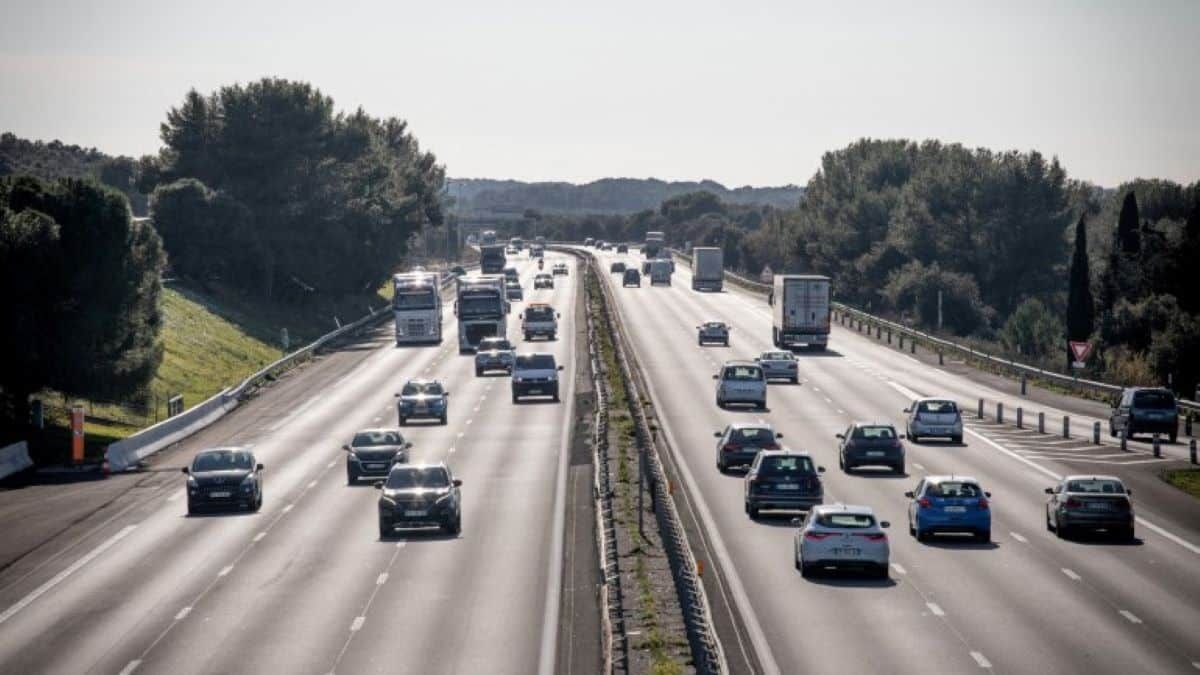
x,y
306,585
1028,602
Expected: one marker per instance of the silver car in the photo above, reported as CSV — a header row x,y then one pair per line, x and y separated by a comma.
x,y
934,417
713,331
494,353
842,536
741,382
779,366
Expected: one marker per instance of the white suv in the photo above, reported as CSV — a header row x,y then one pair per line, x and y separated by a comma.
x,y
741,382
535,374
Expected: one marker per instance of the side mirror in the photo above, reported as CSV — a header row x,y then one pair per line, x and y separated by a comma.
x,y
716,434
445,393
907,410
884,524
407,445
1049,491
841,436
346,447
716,377
1128,492
909,494
987,494
396,395
457,482
185,470
820,469
258,467
778,435
560,368
558,315
378,485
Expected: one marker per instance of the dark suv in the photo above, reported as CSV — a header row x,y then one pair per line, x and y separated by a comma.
x,y
419,495
372,452
864,444
224,477
632,278
1145,410
783,479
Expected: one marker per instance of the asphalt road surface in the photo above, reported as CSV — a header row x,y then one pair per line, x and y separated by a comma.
x,y
306,585
1028,602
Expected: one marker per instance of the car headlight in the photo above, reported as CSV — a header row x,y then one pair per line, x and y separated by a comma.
x,y
192,484
444,499
518,379
248,483
384,499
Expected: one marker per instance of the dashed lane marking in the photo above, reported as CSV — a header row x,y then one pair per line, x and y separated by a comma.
x,y
933,607
133,665
225,570
183,613
1071,574
1019,537
401,543
330,464
920,467
981,660
899,568
289,507
381,579
259,537
357,623
1130,616
312,483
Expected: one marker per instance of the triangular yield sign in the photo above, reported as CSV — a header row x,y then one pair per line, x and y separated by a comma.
x,y
1081,350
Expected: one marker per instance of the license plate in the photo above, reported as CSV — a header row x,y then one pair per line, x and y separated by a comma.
x,y
415,514
219,495
875,453
847,552
376,466
422,408
535,391
956,509
1099,506
788,486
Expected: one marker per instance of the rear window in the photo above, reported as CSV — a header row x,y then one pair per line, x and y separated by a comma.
x,y
846,520
367,438
1097,486
954,489
714,324
752,435
536,362
222,460
743,373
777,356
1156,400
539,314
937,407
782,466
873,433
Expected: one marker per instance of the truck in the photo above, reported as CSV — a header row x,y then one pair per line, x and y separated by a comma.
x,y
481,308
660,271
487,237
492,259
654,242
800,311
708,268
417,307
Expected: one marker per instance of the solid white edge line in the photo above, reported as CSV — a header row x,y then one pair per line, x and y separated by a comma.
x,y
132,666
61,576
1130,616
1071,574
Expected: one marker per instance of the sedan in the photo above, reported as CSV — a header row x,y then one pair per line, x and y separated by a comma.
x,y
422,399
419,495
740,443
1090,503
224,477
864,444
543,281
841,536
372,453
779,366
713,331
945,504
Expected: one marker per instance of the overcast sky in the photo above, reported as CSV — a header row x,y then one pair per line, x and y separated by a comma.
x,y
743,92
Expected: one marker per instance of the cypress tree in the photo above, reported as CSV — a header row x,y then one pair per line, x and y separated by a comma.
x,y
1080,308
1128,235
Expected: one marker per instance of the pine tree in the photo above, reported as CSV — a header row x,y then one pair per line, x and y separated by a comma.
x,y
1080,308
1128,234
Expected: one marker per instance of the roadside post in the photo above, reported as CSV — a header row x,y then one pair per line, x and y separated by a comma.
x,y
980,413
1023,383
1125,438
999,412
77,434
941,358
1020,416
1157,446
1192,450
1041,423
1096,433
1066,427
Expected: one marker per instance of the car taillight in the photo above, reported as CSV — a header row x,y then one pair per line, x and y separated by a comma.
x,y
770,446
873,536
731,447
1073,503
924,502
983,503
817,536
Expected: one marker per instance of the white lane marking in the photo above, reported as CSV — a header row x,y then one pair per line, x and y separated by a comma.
x,y
933,607
841,412
828,400
225,570
401,543
61,576
312,483
920,467
133,665
330,464
816,389
382,579
378,419
259,537
461,434
289,507
295,413
981,660
1130,615
1019,537
476,409
1071,574
176,497
183,613
358,623
1158,529
899,568
470,420
451,450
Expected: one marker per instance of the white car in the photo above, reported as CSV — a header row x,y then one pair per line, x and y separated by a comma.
x,y
842,536
934,417
741,382
779,366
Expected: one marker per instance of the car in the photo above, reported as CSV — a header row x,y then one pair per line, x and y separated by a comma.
x,y
617,268
535,374
622,248
713,331
779,366
511,275
372,452
458,270
842,536
224,478
741,382
870,444
560,269
494,353
512,250
537,252
539,320
740,442
422,398
934,417
1081,502
782,479
417,496
543,280
646,267
513,291
631,278
949,504
1145,410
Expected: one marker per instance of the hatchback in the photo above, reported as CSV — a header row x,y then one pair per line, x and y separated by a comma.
x,y
617,268
934,417
419,495
783,479
1090,503
944,504
1145,410
224,477
842,536
713,331
864,444
372,452
739,443
741,382
631,278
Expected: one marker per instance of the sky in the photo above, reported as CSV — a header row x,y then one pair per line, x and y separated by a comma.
x,y
749,92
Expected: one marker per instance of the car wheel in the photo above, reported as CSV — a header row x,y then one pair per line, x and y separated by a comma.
x,y
882,572
796,380
841,462
385,529
514,397
1173,436
957,439
1062,531
351,478
912,531
442,419
454,527
555,399
720,403
899,468
1112,431
478,372
983,536
553,337
700,342
922,535
913,437
1127,535
806,570
753,512
403,420
191,509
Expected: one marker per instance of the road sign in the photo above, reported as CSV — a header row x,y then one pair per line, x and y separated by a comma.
x,y
1081,351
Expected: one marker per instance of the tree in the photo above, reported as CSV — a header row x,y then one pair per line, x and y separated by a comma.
x,y
1080,308
1032,330
1128,226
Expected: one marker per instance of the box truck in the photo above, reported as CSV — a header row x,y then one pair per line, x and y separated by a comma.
x,y
708,268
800,311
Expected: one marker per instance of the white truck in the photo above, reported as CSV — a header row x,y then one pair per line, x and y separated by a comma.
x,y
800,311
654,243
417,307
482,310
708,268
660,271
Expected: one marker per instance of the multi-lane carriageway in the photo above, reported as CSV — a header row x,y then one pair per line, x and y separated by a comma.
x,y
306,586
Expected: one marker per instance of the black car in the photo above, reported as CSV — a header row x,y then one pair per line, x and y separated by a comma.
x,y
783,479
373,452
632,278
1090,503
419,496
1145,410
864,444
622,248
224,478
617,268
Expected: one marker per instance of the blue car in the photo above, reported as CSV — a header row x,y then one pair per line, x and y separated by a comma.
x,y
949,504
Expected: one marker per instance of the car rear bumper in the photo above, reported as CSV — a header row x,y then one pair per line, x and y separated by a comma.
x,y
951,523
801,502
738,458
1097,521
1153,426
946,430
535,389
865,458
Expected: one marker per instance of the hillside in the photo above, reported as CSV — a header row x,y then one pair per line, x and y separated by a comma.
x,y
55,159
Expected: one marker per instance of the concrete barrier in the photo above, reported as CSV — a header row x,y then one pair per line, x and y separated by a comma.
x,y
14,458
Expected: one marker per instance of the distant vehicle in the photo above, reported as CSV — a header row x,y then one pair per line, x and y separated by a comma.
x,y
511,274
936,417
560,268
539,320
616,268
602,245
654,242
779,366
487,238
622,248
419,495
708,268
864,444
800,311
512,250
741,382
783,480
713,331
1090,503
372,452
631,278
458,270
660,271
537,251
949,504
646,267
741,442
589,242
842,536
422,398
540,240
543,281
494,353
517,243
513,291
482,310
417,307
535,375
492,259
224,478
1145,410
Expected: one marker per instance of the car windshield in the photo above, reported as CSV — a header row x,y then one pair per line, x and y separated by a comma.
x,y
851,521
418,388
222,460
777,356
404,478
1097,486
743,373
714,324
752,435
1154,400
873,433
937,407
535,362
954,489
366,438
494,344
784,466
539,314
